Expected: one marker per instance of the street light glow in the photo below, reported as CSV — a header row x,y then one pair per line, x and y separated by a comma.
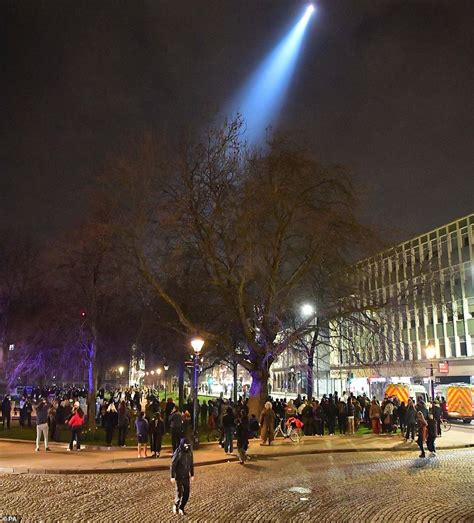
x,y
121,369
197,344
158,371
430,352
307,309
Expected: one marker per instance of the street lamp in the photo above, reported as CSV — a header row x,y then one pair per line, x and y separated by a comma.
x,y
197,344
430,354
166,367
158,372
308,310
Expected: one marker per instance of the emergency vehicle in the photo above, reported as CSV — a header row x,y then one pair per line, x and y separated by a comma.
x,y
404,391
459,399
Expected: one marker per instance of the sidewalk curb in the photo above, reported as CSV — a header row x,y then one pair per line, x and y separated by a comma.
x,y
224,459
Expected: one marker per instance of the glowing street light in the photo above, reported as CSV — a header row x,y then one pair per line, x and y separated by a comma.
x,y
166,367
121,369
196,344
307,310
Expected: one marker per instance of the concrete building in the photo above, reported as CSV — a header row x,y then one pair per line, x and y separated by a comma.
x,y
427,283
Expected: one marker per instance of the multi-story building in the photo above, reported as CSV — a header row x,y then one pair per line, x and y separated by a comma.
x,y
426,284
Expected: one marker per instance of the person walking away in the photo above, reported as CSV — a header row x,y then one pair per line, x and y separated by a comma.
x,y
410,420
187,431
375,413
342,416
176,427
350,416
6,411
182,471
42,424
422,432
123,421
432,433
242,433
157,429
141,427
228,425
27,410
267,424
110,421
436,410
76,421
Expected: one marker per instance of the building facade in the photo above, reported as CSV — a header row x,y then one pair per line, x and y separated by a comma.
x,y
427,284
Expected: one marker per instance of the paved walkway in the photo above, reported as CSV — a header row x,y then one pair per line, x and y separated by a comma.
x,y
20,457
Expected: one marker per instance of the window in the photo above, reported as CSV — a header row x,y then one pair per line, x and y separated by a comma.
x,y
463,347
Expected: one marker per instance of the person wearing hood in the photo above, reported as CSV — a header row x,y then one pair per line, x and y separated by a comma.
x,y
157,429
182,471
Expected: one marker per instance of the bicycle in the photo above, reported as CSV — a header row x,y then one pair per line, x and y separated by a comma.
x,y
445,425
291,431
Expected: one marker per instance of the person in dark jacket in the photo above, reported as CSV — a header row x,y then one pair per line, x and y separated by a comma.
x,y
242,433
6,411
176,427
182,471
331,415
402,411
123,421
228,426
410,421
141,427
110,422
432,433
437,414
157,429
342,416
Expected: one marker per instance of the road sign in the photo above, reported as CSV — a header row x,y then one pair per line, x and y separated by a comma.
x,y
443,367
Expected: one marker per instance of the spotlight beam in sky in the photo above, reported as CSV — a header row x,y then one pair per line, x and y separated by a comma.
x,y
261,98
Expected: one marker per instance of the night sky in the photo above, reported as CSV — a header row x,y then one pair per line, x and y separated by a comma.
x,y
382,86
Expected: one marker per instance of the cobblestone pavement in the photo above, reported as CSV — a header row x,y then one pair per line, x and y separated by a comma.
x,y
363,487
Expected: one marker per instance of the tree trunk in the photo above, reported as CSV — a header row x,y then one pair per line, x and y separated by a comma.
x,y
92,376
258,391
181,386
310,376
234,390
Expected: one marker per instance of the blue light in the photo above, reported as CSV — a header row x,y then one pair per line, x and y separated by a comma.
x,y
261,98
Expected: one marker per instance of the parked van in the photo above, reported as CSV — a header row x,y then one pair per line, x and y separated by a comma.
x,y
459,399
403,391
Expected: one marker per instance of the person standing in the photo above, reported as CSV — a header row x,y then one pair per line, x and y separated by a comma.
x,y
267,424
410,421
242,433
141,427
228,426
331,415
350,416
375,412
6,411
388,417
52,420
110,422
182,471
176,427
42,424
437,413
157,429
422,432
123,421
402,412
432,433
76,421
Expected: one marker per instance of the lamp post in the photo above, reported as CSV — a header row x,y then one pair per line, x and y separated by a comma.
x,y
430,354
158,373
196,344
308,310
166,367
